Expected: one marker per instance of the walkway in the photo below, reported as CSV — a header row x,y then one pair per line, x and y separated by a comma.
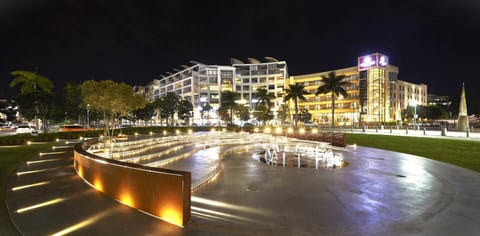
x,y
378,193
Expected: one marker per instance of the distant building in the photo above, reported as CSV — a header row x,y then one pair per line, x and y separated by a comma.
x,y
436,100
375,94
203,84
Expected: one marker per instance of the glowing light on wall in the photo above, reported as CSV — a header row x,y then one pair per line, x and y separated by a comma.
x,y
80,171
171,215
289,130
190,131
29,142
302,130
256,130
314,131
97,183
164,132
267,130
177,131
126,199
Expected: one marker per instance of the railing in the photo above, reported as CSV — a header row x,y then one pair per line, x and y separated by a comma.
x,y
159,192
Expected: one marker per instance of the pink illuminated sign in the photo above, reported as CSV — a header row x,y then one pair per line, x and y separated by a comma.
x,y
372,60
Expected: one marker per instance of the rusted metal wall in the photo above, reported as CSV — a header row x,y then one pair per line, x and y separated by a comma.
x,y
160,192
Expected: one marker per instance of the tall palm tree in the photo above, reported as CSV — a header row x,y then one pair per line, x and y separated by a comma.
x,y
30,82
264,97
336,86
228,102
295,92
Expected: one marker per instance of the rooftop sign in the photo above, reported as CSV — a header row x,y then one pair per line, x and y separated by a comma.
x,y
372,60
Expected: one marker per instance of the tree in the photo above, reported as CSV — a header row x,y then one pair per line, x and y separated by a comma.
x,y
169,105
264,97
295,92
206,108
305,116
228,103
111,99
185,109
47,106
262,113
242,113
146,113
263,105
32,83
72,97
336,86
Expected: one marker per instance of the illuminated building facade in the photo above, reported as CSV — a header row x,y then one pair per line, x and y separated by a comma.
x,y
203,84
375,94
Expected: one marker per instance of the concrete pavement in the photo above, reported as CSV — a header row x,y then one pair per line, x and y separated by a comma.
x,y
378,193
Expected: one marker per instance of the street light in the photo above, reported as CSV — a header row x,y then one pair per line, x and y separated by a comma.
x,y
88,115
414,104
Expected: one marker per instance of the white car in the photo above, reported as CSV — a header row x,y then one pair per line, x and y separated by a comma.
x,y
24,129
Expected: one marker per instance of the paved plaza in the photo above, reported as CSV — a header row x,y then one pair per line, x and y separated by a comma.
x,y
377,193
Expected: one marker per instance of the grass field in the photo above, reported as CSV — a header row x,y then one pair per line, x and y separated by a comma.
x,y
10,159
462,153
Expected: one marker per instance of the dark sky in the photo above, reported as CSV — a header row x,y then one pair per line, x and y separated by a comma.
x,y
432,41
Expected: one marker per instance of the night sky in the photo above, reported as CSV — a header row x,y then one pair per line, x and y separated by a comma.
x,y
432,41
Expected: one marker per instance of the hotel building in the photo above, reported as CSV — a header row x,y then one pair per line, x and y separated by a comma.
x,y
375,94
203,84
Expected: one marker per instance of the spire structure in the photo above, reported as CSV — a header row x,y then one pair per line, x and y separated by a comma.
x,y
462,123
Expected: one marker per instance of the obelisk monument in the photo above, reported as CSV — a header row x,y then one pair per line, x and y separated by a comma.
x,y
462,123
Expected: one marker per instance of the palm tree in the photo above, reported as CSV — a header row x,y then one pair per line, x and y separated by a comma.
x,y
228,102
295,92
335,85
264,97
31,82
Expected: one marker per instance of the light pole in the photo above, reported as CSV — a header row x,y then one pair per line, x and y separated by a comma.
x,y
88,115
414,104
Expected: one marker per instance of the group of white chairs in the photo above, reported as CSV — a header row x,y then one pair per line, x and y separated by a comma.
x,y
322,156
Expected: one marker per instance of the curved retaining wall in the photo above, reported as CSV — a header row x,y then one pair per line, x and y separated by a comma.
x,y
159,192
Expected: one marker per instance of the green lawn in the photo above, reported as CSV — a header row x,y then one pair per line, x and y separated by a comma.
x,y
462,153
10,159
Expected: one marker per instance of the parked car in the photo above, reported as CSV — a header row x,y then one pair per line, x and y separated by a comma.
x,y
25,129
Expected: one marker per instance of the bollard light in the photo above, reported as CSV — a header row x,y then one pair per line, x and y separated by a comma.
x,y
278,130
